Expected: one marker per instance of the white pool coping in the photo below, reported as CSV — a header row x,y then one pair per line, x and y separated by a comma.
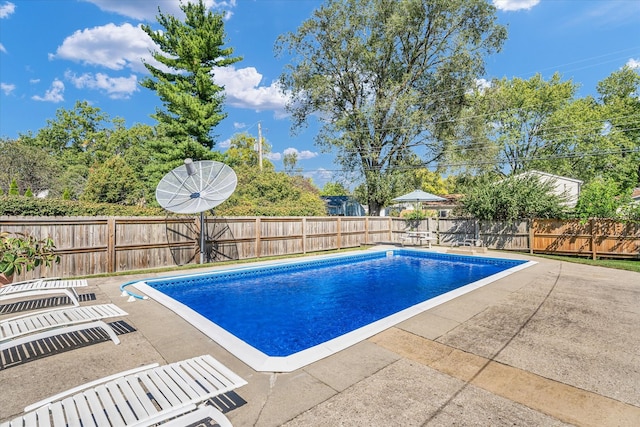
x,y
261,362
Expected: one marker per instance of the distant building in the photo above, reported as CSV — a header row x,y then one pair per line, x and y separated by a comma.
x,y
563,186
444,208
343,206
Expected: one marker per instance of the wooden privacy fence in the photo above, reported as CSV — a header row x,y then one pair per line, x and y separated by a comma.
x,y
595,238
96,245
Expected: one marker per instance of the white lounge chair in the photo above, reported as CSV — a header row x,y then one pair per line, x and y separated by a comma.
x,y
140,397
40,287
22,329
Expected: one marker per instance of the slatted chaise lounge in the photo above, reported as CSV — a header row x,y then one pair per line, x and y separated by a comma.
x,y
40,287
22,329
140,397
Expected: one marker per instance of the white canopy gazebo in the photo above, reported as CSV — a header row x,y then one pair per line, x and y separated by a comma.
x,y
418,196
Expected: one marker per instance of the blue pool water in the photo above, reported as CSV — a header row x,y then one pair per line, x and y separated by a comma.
x,y
284,309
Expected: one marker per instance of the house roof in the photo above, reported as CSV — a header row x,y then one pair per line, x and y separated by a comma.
x,y
550,175
635,195
451,200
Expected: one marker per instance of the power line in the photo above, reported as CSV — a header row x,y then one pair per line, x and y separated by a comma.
x,y
496,162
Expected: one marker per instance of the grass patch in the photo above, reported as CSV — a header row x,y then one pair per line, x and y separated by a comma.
x,y
619,264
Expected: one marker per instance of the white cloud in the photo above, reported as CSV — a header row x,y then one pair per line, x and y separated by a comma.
x,y
125,46
111,46
319,176
34,81
148,10
609,14
483,84
274,157
238,125
324,174
7,9
114,87
513,5
7,88
633,63
243,90
224,144
302,155
54,94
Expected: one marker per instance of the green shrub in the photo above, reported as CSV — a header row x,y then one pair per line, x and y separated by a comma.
x,y
13,188
31,206
513,198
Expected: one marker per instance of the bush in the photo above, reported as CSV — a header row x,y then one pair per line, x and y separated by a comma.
x,y
512,199
601,198
24,252
30,206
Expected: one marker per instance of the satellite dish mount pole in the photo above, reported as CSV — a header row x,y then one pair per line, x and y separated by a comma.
x,y
191,170
202,237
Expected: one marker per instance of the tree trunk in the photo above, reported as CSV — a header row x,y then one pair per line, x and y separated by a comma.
x,y
374,208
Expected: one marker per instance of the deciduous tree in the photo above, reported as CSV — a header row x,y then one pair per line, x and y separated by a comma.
x,y
620,98
517,120
387,79
112,182
334,189
243,151
599,199
31,166
512,199
290,163
270,193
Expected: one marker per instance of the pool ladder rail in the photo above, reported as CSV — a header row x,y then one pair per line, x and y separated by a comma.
x,y
132,296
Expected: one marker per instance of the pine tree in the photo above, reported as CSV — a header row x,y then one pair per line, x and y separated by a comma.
x,y
191,50
13,188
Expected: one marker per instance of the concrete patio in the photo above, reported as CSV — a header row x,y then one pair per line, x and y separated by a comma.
x,y
553,344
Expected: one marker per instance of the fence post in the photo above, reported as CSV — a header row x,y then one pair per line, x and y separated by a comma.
x,y
339,231
366,230
593,238
304,235
257,236
111,245
532,226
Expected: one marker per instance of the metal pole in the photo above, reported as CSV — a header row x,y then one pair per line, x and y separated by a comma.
x,y
260,145
201,237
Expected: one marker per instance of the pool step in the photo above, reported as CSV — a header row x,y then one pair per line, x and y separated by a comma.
x,y
467,250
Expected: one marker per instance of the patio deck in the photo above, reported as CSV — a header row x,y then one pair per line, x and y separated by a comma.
x,y
554,344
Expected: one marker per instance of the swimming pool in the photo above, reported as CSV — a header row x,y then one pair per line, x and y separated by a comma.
x,y
285,315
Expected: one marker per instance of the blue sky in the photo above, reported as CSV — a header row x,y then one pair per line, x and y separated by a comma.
x,y
56,52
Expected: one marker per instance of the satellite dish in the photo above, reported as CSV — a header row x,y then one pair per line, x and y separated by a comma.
x,y
196,187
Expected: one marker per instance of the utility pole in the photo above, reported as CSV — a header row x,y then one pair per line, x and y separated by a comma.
x,y
260,145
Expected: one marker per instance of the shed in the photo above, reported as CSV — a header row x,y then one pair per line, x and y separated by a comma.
x,y
343,206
